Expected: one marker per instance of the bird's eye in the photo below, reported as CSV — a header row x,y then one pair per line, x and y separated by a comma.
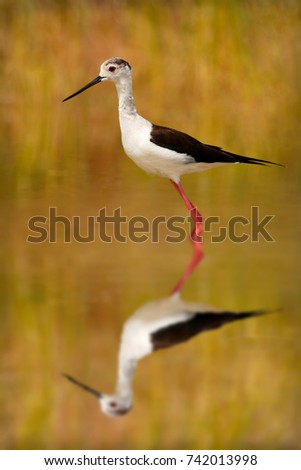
x,y
113,404
112,68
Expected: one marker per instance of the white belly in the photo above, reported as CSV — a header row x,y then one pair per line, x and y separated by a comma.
x,y
135,133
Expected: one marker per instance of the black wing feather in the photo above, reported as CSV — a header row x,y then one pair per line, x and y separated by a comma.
x,y
201,153
183,331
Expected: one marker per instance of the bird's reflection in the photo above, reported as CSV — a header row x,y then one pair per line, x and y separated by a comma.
x,y
156,325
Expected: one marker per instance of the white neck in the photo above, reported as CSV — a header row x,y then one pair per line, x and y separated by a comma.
x,y
126,103
124,381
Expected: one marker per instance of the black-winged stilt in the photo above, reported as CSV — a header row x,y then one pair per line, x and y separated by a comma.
x,y
156,325
161,150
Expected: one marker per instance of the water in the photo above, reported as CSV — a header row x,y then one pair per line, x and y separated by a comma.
x,y
63,304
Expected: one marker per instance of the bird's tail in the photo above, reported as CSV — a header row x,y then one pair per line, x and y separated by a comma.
x,y
256,161
233,316
212,320
227,317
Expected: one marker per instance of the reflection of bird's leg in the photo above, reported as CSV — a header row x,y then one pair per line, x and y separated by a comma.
x,y
195,237
196,258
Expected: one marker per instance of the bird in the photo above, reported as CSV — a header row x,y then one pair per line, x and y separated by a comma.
x,y
162,150
156,325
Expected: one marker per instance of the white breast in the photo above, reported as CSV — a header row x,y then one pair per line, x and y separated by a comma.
x,y
136,134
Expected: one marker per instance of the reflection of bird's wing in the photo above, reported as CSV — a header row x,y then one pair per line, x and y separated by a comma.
x,y
182,331
151,316
169,321
136,338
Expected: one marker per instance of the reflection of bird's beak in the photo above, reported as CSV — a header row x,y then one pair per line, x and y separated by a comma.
x,y
93,82
83,386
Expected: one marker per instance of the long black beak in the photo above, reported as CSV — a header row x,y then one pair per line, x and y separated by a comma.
x,y
93,82
83,386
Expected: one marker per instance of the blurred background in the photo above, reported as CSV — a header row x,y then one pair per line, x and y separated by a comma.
x,y
227,73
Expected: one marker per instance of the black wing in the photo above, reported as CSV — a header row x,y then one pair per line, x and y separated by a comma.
x,y
201,153
183,331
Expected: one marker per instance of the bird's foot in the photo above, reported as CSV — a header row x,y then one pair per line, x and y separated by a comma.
x,y
196,233
196,216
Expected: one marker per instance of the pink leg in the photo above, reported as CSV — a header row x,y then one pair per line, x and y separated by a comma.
x,y
195,238
195,215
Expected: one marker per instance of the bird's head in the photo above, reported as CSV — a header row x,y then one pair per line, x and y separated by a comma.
x,y
113,406
114,69
110,405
